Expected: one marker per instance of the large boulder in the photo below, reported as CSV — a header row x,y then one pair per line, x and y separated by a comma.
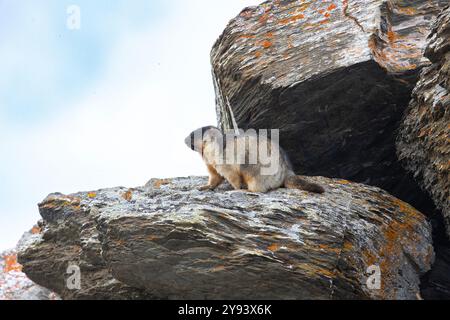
x,y
168,240
333,76
424,139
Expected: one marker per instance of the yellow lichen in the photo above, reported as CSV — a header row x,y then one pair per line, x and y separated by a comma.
x,y
92,195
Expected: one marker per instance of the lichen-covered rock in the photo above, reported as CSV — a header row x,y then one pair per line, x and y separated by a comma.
x,y
333,76
424,139
14,284
68,238
168,240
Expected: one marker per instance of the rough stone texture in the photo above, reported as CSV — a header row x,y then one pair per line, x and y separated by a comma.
x,y
424,139
168,240
14,284
333,76
69,237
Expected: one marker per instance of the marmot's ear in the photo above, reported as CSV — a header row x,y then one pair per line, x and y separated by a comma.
x,y
206,129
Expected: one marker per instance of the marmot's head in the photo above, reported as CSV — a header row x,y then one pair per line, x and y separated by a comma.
x,y
200,137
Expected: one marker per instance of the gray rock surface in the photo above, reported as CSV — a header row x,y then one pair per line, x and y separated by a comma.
x,y
168,240
424,139
333,76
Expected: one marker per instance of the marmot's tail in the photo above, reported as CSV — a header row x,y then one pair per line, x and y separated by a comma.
x,y
297,182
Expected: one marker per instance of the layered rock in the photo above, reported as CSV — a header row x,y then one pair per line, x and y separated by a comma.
x,y
333,76
14,284
424,139
168,240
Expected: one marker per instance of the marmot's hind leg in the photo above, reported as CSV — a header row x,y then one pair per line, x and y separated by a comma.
x,y
254,185
234,179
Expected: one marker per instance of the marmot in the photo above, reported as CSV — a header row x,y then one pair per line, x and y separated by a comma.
x,y
212,145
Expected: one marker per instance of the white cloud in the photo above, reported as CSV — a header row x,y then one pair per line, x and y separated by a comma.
x,y
129,126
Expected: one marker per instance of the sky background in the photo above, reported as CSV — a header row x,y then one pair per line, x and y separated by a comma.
x,y
106,105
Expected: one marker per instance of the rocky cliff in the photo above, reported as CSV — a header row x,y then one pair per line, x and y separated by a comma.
x,y
424,139
334,76
167,240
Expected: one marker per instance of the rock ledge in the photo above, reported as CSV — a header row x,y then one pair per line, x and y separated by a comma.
x,y
167,240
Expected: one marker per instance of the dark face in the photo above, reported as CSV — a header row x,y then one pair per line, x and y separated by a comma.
x,y
195,139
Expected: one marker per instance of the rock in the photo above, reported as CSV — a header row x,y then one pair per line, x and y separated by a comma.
x,y
436,283
333,76
14,284
168,240
69,238
424,140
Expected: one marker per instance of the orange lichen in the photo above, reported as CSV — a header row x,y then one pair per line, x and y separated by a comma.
x,y
314,271
35,230
369,257
391,36
409,11
266,44
92,195
411,66
292,19
263,19
331,7
258,54
162,182
408,209
274,247
11,264
60,202
376,52
393,233
328,248
347,246
128,195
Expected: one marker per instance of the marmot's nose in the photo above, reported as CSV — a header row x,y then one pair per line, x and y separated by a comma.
x,y
189,141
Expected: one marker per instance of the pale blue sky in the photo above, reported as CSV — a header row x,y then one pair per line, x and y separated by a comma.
x,y
35,31
102,106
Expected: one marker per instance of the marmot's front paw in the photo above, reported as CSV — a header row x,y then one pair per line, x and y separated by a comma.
x,y
205,188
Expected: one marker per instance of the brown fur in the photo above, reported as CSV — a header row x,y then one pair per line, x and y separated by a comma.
x,y
248,175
